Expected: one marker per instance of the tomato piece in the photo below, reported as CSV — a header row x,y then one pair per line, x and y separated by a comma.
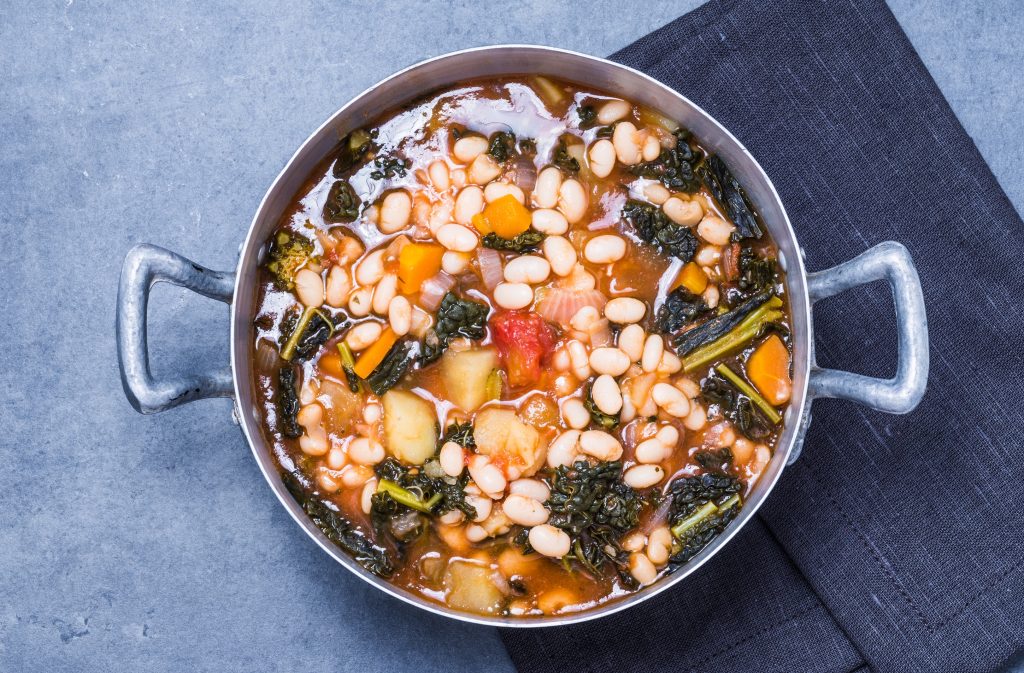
x,y
523,339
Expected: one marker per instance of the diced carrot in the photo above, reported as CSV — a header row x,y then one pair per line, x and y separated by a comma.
x,y
481,224
330,364
693,278
416,263
768,370
506,217
374,355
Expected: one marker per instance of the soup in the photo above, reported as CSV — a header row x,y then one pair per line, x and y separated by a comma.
x,y
521,347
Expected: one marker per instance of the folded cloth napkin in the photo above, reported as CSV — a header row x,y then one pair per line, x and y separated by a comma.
x,y
895,543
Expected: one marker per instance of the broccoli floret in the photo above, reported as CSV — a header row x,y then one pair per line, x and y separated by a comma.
x,y
702,507
289,252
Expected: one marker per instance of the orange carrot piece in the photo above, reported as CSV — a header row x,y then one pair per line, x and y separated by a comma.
x,y
693,278
506,217
481,224
768,370
416,263
374,355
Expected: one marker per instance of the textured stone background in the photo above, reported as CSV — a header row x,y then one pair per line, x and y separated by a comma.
x,y
152,543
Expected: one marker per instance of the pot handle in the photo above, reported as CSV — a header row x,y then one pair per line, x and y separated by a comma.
x,y
890,261
144,266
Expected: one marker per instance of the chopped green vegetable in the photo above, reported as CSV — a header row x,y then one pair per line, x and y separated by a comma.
x,y
680,308
288,402
719,325
461,434
392,368
735,406
563,159
494,385
702,506
354,149
433,495
587,115
408,498
342,204
455,318
389,167
528,241
502,146
309,334
674,167
750,392
721,183
348,364
740,335
652,226
288,253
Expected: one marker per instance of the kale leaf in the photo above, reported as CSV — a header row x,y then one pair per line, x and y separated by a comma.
x,y
736,406
721,183
587,115
653,226
354,149
674,167
716,327
756,273
680,308
455,318
342,203
702,506
502,146
528,241
392,368
445,492
388,168
461,434
288,402
563,159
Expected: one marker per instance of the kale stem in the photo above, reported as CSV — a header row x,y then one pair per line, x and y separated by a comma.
x,y
741,334
348,365
406,497
750,392
293,340
702,513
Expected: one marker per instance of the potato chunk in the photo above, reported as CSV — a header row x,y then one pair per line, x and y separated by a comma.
x,y
512,445
410,426
471,587
465,375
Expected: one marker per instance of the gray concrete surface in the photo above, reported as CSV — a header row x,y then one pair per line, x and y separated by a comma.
x,y
132,543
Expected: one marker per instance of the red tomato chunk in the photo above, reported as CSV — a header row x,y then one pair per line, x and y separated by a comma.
x,y
523,338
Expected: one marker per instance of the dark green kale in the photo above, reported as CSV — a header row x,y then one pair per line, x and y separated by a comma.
x,y
680,308
563,159
594,506
702,506
288,253
307,335
724,187
587,115
461,434
389,167
714,460
354,149
653,227
606,132
342,203
407,495
340,530
735,406
455,318
674,167
393,367
528,241
598,417
288,402
756,273
718,326
502,146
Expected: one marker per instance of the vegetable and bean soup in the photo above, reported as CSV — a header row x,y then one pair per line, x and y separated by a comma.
x,y
522,348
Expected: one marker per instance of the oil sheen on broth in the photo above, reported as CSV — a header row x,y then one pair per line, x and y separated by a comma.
x,y
522,347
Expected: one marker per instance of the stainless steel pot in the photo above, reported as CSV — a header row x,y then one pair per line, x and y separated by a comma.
x,y
146,265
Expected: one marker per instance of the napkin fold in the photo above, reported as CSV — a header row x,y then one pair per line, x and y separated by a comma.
x,y
895,543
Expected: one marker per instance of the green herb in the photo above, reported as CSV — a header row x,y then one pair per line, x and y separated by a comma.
x,y
455,318
702,506
309,334
288,253
750,392
652,226
388,168
528,241
598,417
434,495
587,115
392,368
752,320
675,167
756,273
342,203
288,402
502,146
354,149
721,183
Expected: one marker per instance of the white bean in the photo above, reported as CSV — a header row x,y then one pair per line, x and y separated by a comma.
x,y
371,413
696,419
710,296
609,361
572,200
579,359
337,287
371,268
385,291
545,190
643,476
309,286
356,475
613,111
600,445
513,295
475,533
564,448
631,342
635,541
483,169
602,158
625,310
650,451
486,475
560,254
670,363
524,510
584,318
457,237
627,147
605,249
534,488
363,335
549,221
455,263
688,386
482,505
656,193
452,458
575,413
715,230
668,435
606,394
708,255
400,315
495,190
527,269
651,148
395,211
336,458
453,517
314,440
686,213
366,497
549,541
440,177
469,147
670,399
654,348
659,545
365,451
468,203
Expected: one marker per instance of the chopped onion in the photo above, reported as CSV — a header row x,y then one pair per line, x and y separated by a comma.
x,y
559,305
266,357
525,173
658,517
490,267
434,289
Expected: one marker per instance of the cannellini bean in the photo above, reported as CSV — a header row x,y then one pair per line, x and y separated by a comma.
x,y
659,545
564,448
631,341
366,497
440,177
495,190
560,360
605,249
549,541
483,169
400,315
327,482
606,394
372,413
359,302
579,359
635,541
657,193
363,335
561,254
762,455
654,348
468,203
575,413
609,361
696,419
742,450
671,399
455,263
688,386
581,279
668,435
457,237
545,190
337,287
513,295
572,200
602,158
533,488
651,148
336,458
643,476
628,412
626,142
613,111
314,441
527,269
309,286
482,505
715,230
452,458
625,310
385,291
686,213
354,476
670,363
549,221
486,475
524,510
458,178
452,517
584,318
476,533
371,268
365,451
421,322
395,211
650,451
467,148
600,445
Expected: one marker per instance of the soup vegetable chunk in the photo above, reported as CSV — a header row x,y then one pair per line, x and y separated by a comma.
x,y
522,348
